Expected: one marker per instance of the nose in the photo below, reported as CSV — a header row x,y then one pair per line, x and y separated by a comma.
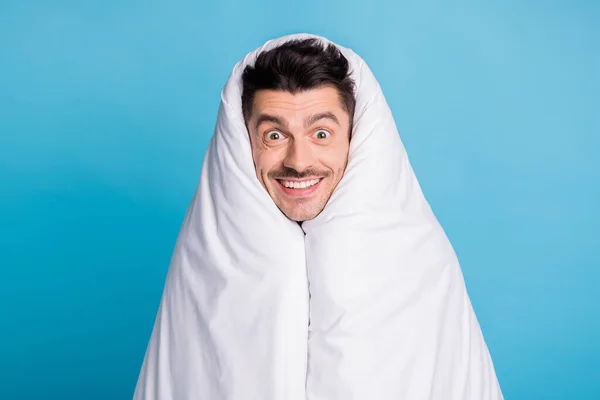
x,y
299,156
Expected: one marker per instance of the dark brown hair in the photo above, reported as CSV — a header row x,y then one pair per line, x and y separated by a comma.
x,y
298,65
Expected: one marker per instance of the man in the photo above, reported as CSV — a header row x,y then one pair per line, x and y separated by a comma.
x,y
299,123
364,300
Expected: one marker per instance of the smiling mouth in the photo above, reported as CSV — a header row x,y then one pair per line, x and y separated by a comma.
x,y
295,188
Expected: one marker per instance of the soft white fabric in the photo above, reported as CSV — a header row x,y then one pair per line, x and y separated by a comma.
x,y
368,303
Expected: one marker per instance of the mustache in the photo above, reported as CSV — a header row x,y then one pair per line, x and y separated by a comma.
x,y
286,172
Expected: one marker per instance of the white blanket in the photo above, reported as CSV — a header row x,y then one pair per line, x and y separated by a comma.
x,y
368,303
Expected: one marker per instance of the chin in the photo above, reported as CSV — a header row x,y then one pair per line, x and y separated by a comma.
x,y
294,215
301,214
302,208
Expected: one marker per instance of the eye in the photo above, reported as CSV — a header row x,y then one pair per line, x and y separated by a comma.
x,y
273,135
322,134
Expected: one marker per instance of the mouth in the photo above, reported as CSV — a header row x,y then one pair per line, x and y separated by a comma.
x,y
299,188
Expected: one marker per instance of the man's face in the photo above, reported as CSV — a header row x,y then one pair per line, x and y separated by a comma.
x,y
300,146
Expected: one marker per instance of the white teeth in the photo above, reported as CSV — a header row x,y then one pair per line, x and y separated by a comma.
x,y
300,185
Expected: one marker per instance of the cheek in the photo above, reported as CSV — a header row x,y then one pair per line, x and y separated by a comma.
x,y
334,158
265,161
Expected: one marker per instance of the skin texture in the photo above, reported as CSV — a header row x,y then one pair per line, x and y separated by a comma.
x,y
297,149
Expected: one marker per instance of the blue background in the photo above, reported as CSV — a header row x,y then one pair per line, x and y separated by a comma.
x,y
106,109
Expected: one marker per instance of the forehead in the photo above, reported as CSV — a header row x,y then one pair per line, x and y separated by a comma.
x,y
302,103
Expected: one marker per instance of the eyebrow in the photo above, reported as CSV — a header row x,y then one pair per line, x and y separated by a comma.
x,y
307,122
317,117
269,118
